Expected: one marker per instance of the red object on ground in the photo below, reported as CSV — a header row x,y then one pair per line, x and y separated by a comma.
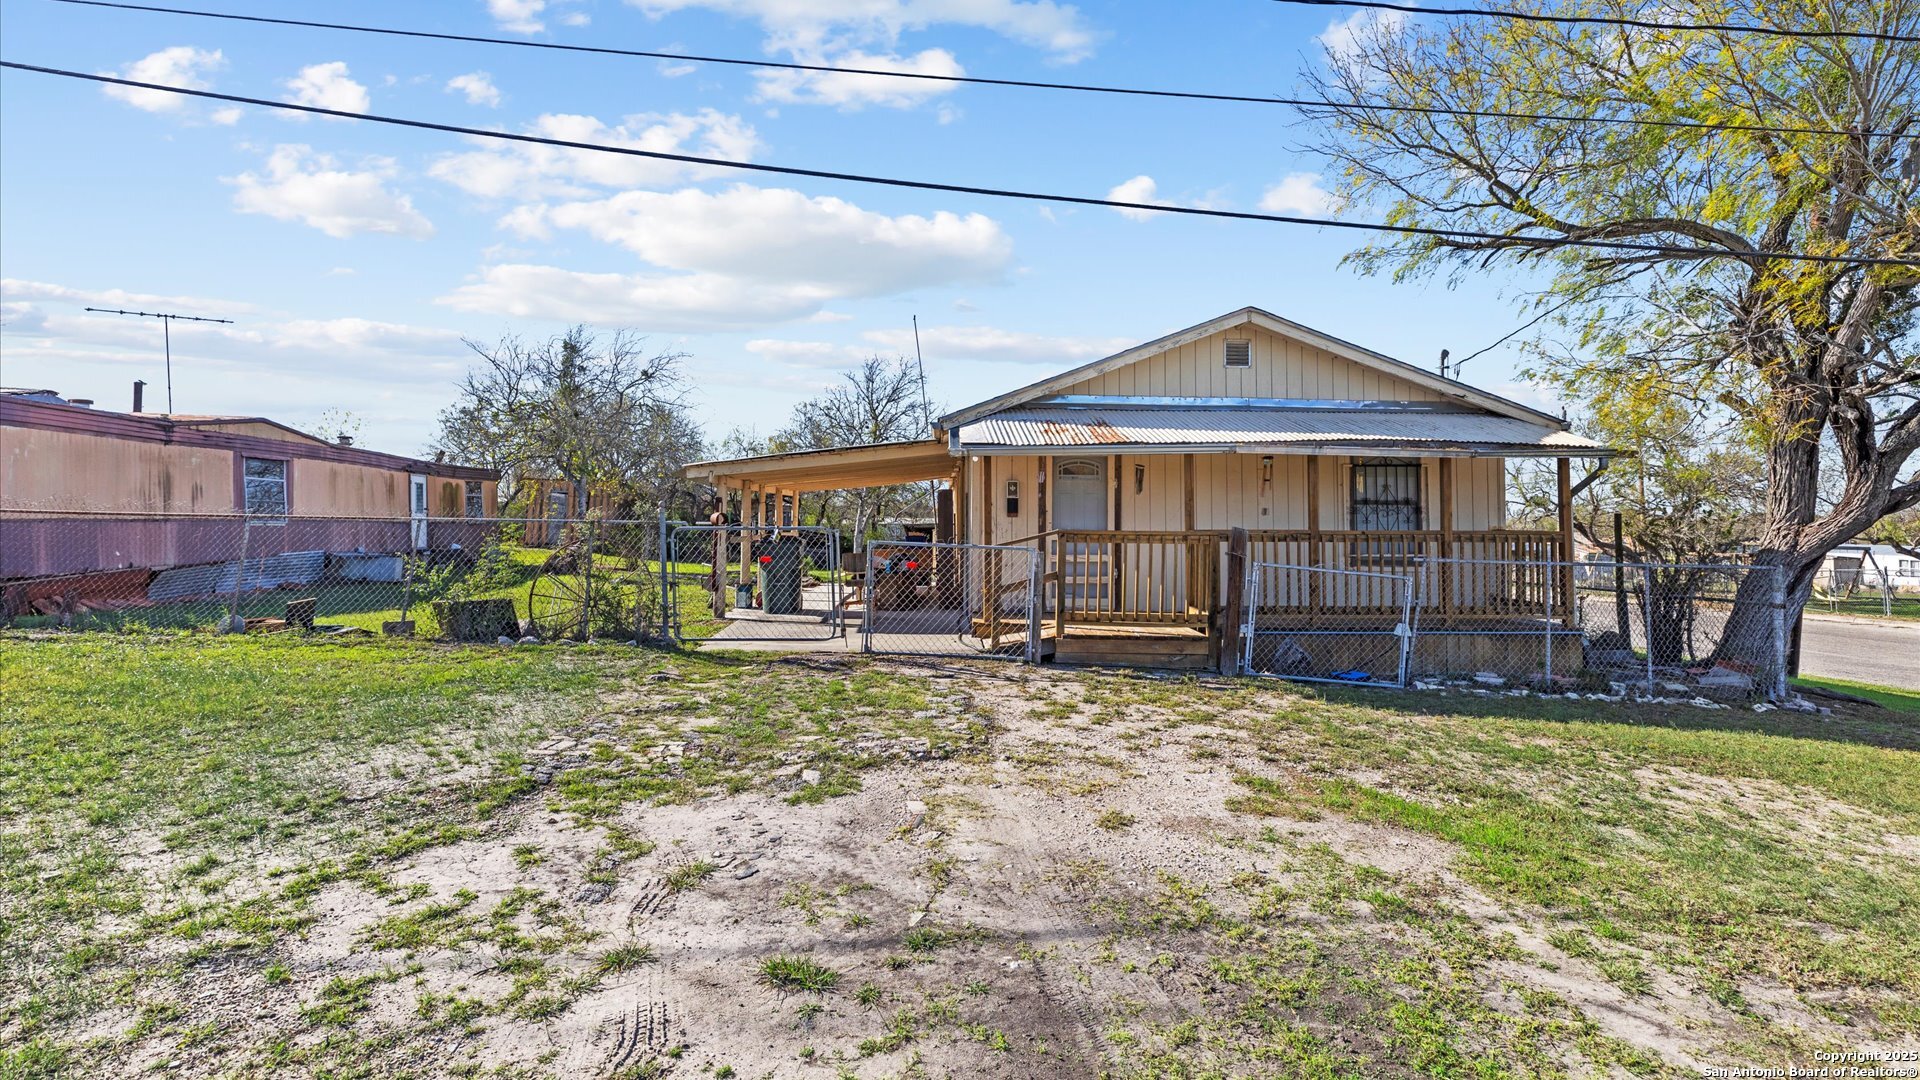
x,y
765,559
912,565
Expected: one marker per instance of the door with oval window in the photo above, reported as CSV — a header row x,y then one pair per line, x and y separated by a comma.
x,y
1080,493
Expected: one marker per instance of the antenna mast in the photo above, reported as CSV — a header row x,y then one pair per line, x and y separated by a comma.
x,y
926,406
166,333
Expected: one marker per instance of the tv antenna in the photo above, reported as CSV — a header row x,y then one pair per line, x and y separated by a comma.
x,y
166,332
925,405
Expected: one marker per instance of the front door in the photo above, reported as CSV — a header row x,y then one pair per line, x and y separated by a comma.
x,y
1080,504
417,508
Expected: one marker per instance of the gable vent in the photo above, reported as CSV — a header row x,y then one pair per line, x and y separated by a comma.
x,y
1239,352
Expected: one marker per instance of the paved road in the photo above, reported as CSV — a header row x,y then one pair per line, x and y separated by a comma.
x,y
1862,649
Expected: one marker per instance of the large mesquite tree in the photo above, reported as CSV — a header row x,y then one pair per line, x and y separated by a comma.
x,y
1796,356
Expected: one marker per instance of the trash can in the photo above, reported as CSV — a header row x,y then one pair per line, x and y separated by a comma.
x,y
780,574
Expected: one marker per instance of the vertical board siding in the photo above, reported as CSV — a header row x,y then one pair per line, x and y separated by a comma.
x,y
1282,368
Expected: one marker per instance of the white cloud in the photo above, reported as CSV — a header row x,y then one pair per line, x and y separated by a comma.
x,y
663,302
1343,36
738,258
1297,193
671,70
24,291
811,24
182,65
804,353
1140,189
780,235
576,18
518,16
850,91
227,117
993,344
529,171
328,86
301,185
478,88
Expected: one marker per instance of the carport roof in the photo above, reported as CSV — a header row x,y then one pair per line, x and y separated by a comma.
x,y
871,465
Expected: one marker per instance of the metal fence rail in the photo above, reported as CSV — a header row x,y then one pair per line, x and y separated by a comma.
x,y
942,599
1361,635
753,583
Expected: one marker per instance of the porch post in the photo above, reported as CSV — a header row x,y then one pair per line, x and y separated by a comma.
x,y
1115,550
1446,536
749,494
1313,531
1564,476
1234,611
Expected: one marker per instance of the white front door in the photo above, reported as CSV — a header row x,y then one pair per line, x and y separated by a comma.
x,y
417,506
1080,504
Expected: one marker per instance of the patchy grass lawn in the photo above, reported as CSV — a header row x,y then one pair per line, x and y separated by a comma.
x,y
270,857
1892,697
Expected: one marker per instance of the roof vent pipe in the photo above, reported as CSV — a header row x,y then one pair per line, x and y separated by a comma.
x,y
83,402
139,393
343,439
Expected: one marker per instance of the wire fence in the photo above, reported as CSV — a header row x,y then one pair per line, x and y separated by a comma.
x,y
469,579
1317,624
1718,631
1886,592
1713,631
754,583
922,598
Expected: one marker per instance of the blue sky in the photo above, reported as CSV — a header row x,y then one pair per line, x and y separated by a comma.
x,y
354,257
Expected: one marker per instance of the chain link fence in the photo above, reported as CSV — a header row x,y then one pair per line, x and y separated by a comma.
x,y
942,599
1317,624
754,583
467,579
1649,630
1874,591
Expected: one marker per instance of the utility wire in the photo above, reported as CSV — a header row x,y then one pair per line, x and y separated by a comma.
x,y
975,80
1608,20
1539,242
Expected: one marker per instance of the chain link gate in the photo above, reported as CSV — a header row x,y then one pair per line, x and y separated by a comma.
x,y
1318,624
944,599
755,583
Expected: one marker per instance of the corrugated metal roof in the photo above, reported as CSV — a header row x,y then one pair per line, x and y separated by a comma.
x,y
1044,426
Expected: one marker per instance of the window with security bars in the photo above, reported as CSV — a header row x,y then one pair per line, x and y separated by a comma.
x,y
476,506
1385,499
265,481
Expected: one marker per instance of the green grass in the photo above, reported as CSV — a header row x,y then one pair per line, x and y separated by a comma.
x,y
798,974
1867,604
1893,697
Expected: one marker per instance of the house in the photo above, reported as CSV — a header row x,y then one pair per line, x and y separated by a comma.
x,y
1129,474
1866,565
88,490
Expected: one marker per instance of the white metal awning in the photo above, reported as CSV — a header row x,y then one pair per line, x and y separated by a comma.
x,y
1264,430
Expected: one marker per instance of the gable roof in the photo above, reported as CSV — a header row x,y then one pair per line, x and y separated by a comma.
x,y
1346,350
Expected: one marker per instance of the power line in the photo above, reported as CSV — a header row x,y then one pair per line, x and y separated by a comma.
x,y
1540,242
1608,20
976,80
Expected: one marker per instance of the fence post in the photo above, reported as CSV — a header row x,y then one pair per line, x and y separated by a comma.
x,y
664,555
866,608
1779,680
1236,590
1646,620
1886,592
240,574
1034,576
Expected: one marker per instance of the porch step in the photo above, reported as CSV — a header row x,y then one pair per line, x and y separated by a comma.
x,y
1187,652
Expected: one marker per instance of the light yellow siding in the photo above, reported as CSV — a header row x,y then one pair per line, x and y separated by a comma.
x,y
1234,490
1281,368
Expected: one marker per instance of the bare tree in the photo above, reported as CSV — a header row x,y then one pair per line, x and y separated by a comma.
x,y
1813,350
879,401
575,408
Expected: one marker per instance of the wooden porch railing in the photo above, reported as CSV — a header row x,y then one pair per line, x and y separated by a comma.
x,y
1173,578
1169,579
